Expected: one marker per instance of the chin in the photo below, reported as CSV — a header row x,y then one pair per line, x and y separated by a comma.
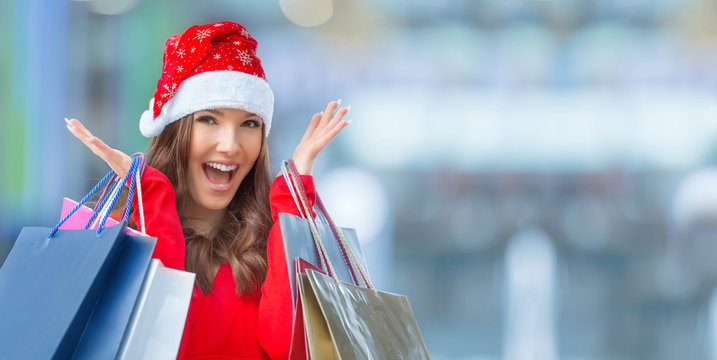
x,y
216,204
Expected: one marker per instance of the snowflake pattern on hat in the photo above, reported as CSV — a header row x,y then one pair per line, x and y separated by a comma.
x,y
212,47
208,66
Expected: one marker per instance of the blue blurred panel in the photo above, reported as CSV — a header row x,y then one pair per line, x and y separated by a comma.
x,y
37,91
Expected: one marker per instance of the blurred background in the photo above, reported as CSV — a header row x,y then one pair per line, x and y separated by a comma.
x,y
538,177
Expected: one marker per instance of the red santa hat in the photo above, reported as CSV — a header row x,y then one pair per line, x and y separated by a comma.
x,y
205,67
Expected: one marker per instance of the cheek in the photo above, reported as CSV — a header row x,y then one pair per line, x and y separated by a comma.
x,y
252,148
196,150
197,143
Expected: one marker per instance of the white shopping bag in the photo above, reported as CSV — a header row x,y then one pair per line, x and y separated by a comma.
x,y
157,322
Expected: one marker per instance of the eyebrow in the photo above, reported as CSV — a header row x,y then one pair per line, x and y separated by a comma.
x,y
218,112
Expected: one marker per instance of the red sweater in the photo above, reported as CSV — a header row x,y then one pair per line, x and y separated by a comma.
x,y
222,325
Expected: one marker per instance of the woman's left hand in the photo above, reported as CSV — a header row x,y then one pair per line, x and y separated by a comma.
x,y
322,129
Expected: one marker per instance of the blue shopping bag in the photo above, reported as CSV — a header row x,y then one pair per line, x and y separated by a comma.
x,y
54,291
110,317
48,287
103,334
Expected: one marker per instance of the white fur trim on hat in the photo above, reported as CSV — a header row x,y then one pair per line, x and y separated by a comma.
x,y
211,90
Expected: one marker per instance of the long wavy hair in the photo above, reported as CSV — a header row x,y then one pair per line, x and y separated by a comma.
x,y
241,239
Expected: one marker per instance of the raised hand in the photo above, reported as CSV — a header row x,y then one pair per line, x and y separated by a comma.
x,y
322,129
117,160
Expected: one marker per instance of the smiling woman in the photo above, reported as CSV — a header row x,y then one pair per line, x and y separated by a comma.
x,y
208,194
217,149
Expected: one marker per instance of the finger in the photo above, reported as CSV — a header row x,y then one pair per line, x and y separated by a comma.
x,y
337,129
101,147
313,124
79,128
89,142
311,129
329,111
72,128
80,132
94,143
339,115
325,139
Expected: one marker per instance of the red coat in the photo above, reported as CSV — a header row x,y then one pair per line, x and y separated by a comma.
x,y
222,325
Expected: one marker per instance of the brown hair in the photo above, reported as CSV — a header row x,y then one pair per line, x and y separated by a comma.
x,y
241,241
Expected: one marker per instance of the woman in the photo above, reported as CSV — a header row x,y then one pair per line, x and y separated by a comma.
x,y
207,195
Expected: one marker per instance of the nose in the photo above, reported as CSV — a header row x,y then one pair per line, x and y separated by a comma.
x,y
228,141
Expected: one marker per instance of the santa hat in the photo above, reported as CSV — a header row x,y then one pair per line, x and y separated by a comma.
x,y
206,67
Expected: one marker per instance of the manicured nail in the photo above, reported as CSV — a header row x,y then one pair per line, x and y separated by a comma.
x,y
70,129
349,121
67,121
321,113
348,108
338,102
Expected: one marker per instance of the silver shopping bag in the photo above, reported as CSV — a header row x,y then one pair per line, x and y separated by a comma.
x,y
156,326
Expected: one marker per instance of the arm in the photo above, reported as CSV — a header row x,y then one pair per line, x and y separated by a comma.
x,y
161,218
274,322
275,318
160,208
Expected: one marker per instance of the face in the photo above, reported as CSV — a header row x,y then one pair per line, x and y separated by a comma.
x,y
223,147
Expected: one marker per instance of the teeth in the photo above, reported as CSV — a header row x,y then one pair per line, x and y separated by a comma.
x,y
221,167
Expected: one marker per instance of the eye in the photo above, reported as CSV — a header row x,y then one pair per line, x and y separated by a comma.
x,y
207,120
252,123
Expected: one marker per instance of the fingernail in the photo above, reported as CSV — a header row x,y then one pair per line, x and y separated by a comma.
x,y
348,108
67,121
338,102
70,129
349,121
321,113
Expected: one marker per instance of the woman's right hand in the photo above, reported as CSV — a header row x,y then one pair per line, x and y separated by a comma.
x,y
116,159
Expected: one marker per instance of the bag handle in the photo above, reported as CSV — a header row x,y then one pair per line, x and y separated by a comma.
x,y
344,246
131,175
295,182
103,210
289,183
138,178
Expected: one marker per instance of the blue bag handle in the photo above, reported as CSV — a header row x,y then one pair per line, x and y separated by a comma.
x,y
131,174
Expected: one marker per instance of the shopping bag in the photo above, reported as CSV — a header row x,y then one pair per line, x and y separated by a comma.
x,y
363,323
106,326
347,321
155,329
79,218
144,322
51,281
299,242
299,349
48,287
5,246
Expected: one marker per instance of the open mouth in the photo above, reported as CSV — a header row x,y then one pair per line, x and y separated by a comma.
x,y
220,175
